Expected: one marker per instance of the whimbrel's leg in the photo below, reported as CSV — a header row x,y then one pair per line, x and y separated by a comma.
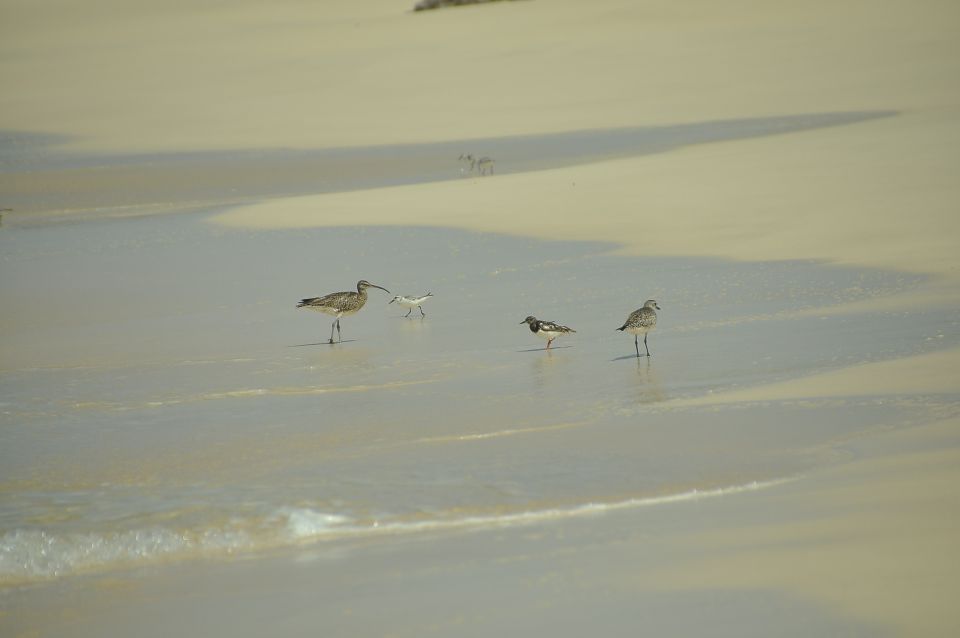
x,y
645,344
339,338
422,313
636,344
332,326
408,313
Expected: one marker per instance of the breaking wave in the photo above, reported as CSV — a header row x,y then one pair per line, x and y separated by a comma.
x,y
31,555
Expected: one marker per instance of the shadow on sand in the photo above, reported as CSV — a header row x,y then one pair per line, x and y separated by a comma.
x,y
321,343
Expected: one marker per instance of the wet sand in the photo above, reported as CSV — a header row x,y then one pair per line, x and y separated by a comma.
x,y
43,182
793,560
177,428
783,465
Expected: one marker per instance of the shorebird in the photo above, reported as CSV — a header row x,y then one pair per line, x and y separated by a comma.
x,y
340,304
640,322
469,163
485,164
411,303
546,329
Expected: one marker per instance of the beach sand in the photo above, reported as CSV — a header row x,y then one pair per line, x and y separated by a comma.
x,y
864,549
805,373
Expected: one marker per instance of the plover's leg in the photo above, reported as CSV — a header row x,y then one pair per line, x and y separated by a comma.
x,y
332,326
645,344
408,313
422,313
636,344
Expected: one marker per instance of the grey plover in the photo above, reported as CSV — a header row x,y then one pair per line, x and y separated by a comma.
x,y
411,302
340,304
640,322
546,329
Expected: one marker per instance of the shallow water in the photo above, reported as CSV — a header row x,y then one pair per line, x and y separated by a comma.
x,y
161,398
38,176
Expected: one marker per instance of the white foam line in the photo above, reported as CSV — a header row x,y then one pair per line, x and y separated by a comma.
x,y
541,516
492,435
307,390
282,392
35,555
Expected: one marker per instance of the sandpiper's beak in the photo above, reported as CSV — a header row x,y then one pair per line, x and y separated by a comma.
x,y
391,301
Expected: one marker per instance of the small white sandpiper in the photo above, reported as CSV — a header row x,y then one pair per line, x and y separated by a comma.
x,y
340,304
411,302
640,322
546,329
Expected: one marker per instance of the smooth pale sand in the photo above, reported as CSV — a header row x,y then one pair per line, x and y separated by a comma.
x,y
923,374
874,539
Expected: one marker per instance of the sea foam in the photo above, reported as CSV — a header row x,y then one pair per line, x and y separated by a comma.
x,y
31,555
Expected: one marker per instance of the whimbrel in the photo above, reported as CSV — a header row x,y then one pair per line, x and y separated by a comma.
x,y
340,304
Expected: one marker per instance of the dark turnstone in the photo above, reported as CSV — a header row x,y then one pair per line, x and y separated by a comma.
x,y
546,329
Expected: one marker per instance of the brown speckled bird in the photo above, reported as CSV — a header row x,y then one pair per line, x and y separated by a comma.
x,y
340,304
640,322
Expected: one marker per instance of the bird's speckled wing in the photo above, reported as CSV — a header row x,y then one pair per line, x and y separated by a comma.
x,y
333,300
642,318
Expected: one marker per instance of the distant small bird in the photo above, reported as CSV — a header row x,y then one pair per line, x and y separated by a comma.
x,y
470,164
485,164
340,304
411,303
546,329
640,322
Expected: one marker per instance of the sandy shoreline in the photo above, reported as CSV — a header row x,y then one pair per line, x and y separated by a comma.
x,y
301,76
900,573
865,548
922,374
866,545
812,195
